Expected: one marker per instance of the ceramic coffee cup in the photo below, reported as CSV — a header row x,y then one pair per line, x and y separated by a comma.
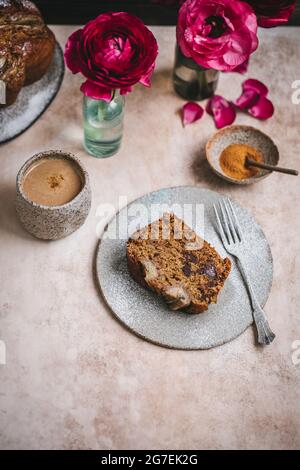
x,y
53,222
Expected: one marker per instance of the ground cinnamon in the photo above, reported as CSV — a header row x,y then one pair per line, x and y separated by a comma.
x,y
55,180
233,161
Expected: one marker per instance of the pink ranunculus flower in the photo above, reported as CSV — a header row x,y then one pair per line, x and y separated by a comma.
x,y
272,12
113,51
218,34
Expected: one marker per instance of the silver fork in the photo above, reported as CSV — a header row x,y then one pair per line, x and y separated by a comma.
x,y
233,240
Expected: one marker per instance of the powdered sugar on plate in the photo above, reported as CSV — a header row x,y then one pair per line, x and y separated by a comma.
x,y
32,101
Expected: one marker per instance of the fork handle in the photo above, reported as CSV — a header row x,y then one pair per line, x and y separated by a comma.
x,y
265,335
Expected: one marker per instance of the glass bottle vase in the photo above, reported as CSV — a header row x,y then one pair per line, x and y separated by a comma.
x,y
103,125
191,81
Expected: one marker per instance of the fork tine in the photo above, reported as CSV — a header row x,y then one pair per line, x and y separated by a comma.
x,y
222,234
231,223
225,222
237,224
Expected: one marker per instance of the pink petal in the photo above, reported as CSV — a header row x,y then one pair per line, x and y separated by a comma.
x,y
125,90
223,111
263,109
243,68
266,22
145,79
95,92
71,51
255,85
277,17
191,112
247,99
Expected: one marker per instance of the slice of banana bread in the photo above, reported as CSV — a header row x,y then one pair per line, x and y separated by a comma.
x,y
170,259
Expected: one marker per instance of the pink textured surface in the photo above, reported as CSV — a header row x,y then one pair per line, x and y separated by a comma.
x,y
75,378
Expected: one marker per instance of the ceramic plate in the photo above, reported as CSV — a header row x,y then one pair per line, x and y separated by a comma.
x,y
146,314
32,101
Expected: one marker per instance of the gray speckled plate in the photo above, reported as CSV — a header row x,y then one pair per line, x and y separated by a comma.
x,y
147,315
32,101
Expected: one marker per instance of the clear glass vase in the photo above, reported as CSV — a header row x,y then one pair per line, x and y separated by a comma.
x,y
191,81
103,125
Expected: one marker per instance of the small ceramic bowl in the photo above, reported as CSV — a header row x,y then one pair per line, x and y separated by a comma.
x,y
53,222
241,135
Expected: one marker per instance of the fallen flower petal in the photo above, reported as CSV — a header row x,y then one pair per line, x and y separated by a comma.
x,y
223,111
255,85
253,91
191,112
247,99
263,109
